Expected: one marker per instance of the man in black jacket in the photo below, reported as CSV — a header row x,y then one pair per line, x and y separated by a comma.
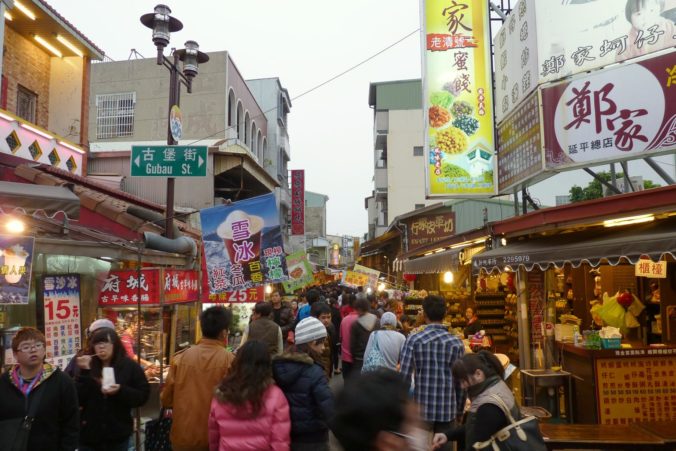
x,y
360,331
281,314
44,391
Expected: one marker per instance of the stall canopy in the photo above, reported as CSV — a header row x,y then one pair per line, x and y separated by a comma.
x,y
435,263
31,198
653,240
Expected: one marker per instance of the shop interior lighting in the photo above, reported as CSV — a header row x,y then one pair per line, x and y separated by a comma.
x,y
18,5
70,45
369,290
503,241
441,249
448,277
48,46
71,147
628,220
381,286
8,16
268,289
15,226
36,131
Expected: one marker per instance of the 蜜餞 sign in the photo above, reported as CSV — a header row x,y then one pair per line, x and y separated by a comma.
x,y
616,114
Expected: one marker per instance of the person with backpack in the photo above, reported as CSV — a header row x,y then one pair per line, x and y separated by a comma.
x,y
384,346
249,411
360,331
299,373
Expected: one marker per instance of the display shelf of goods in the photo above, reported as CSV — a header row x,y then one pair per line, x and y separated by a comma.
x,y
490,312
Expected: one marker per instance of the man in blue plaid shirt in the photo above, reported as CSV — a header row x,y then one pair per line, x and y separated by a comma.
x,y
431,354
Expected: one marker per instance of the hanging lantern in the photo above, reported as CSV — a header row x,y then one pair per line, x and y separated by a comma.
x,y
409,277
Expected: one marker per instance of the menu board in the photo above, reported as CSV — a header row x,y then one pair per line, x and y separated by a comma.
x,y
636,389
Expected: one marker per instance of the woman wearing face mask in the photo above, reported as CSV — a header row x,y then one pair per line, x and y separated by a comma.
x,y
481,374
300,375
106,421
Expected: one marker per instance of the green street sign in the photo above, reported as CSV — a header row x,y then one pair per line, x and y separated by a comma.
x,y
168,161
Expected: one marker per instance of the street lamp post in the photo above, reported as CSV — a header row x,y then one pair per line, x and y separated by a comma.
x,y
163,24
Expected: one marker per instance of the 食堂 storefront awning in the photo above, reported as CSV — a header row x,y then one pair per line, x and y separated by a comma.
x,y
434,263
609,245
31,198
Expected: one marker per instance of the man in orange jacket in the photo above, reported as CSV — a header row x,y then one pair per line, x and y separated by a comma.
x,y
193,375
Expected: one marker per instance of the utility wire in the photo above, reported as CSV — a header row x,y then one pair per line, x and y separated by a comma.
x,y
314,88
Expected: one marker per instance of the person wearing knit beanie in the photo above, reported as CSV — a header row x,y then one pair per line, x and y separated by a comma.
x,y
308,330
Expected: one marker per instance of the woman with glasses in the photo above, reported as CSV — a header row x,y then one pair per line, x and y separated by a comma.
x,y
35,389
106,423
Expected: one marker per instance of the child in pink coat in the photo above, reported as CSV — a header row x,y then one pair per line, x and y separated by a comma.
x,y
249,412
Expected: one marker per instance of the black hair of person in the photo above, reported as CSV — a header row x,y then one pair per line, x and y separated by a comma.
x,y
319,308
263,309
434,308
375,402
215,320
362,305
105,335
312,296
483,360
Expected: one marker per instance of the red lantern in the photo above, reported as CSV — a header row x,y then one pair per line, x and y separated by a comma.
x,y
625,299
409,277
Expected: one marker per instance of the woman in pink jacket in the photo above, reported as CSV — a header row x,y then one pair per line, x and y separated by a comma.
x,y
249,412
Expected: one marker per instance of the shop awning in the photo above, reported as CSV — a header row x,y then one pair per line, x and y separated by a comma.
x,y
31,198
434,264
609,245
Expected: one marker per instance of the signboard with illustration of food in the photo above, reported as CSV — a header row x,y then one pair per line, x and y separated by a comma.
x,y
300,272
458,99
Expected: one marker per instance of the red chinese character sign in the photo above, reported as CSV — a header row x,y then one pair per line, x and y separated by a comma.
x,y
120,288
458,99
243,244
298,202
181,285
617,114
61,294
648,268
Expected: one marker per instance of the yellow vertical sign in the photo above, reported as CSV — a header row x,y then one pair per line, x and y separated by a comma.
x,y
458,99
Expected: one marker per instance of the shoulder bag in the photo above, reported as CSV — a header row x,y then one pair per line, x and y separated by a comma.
x,y
157,432
374,359
522,435
15,432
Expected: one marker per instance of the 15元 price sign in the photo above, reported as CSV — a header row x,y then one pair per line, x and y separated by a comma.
x,y
168,161
62,317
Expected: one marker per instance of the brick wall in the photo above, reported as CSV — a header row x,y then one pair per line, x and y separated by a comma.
x,y
25,64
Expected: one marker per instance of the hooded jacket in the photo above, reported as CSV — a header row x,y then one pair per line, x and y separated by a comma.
x,y
310,400
230,429
107,418
56,421
359,334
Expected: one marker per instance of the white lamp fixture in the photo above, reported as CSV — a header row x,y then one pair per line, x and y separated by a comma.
x,y
48,46
8,16
628,220
503,241
369,290
70,45
15,226
268,289
381,286
448,277
27,12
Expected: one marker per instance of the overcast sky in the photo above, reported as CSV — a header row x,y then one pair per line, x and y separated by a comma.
x,y
304,43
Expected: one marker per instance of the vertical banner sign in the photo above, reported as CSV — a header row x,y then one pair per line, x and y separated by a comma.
x,y
300,272
181,285
61,294
536,307
243,244
298,202
458,99
16,253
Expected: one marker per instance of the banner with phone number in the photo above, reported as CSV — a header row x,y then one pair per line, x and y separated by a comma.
x,y
61,294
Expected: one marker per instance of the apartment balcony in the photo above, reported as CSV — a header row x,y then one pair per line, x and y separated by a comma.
x,y
380,179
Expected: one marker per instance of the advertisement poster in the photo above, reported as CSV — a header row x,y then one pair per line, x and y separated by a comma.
x,y
601,117
361,276
181,285
458,99
575,37
428,229
520,145
121,288
300,272
243,244
16,253
61,294
253,294
516,59
297,202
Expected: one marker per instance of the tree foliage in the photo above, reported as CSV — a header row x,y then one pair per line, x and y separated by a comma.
x,y
595,189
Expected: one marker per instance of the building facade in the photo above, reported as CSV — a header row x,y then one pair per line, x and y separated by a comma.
x,y
44,99
398,136
129,107
275,102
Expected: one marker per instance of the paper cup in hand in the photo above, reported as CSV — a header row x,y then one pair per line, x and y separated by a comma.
x,y
108,377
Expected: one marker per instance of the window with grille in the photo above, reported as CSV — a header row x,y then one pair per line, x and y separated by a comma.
x,y
26,104
115,115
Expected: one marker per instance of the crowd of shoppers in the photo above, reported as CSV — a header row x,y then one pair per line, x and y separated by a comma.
x,y
273,392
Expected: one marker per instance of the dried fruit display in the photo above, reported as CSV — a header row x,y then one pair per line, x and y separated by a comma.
x,y
467,124
438,116
452,140
461,107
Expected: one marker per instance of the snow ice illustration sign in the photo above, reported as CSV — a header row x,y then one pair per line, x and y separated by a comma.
x,y
243,244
